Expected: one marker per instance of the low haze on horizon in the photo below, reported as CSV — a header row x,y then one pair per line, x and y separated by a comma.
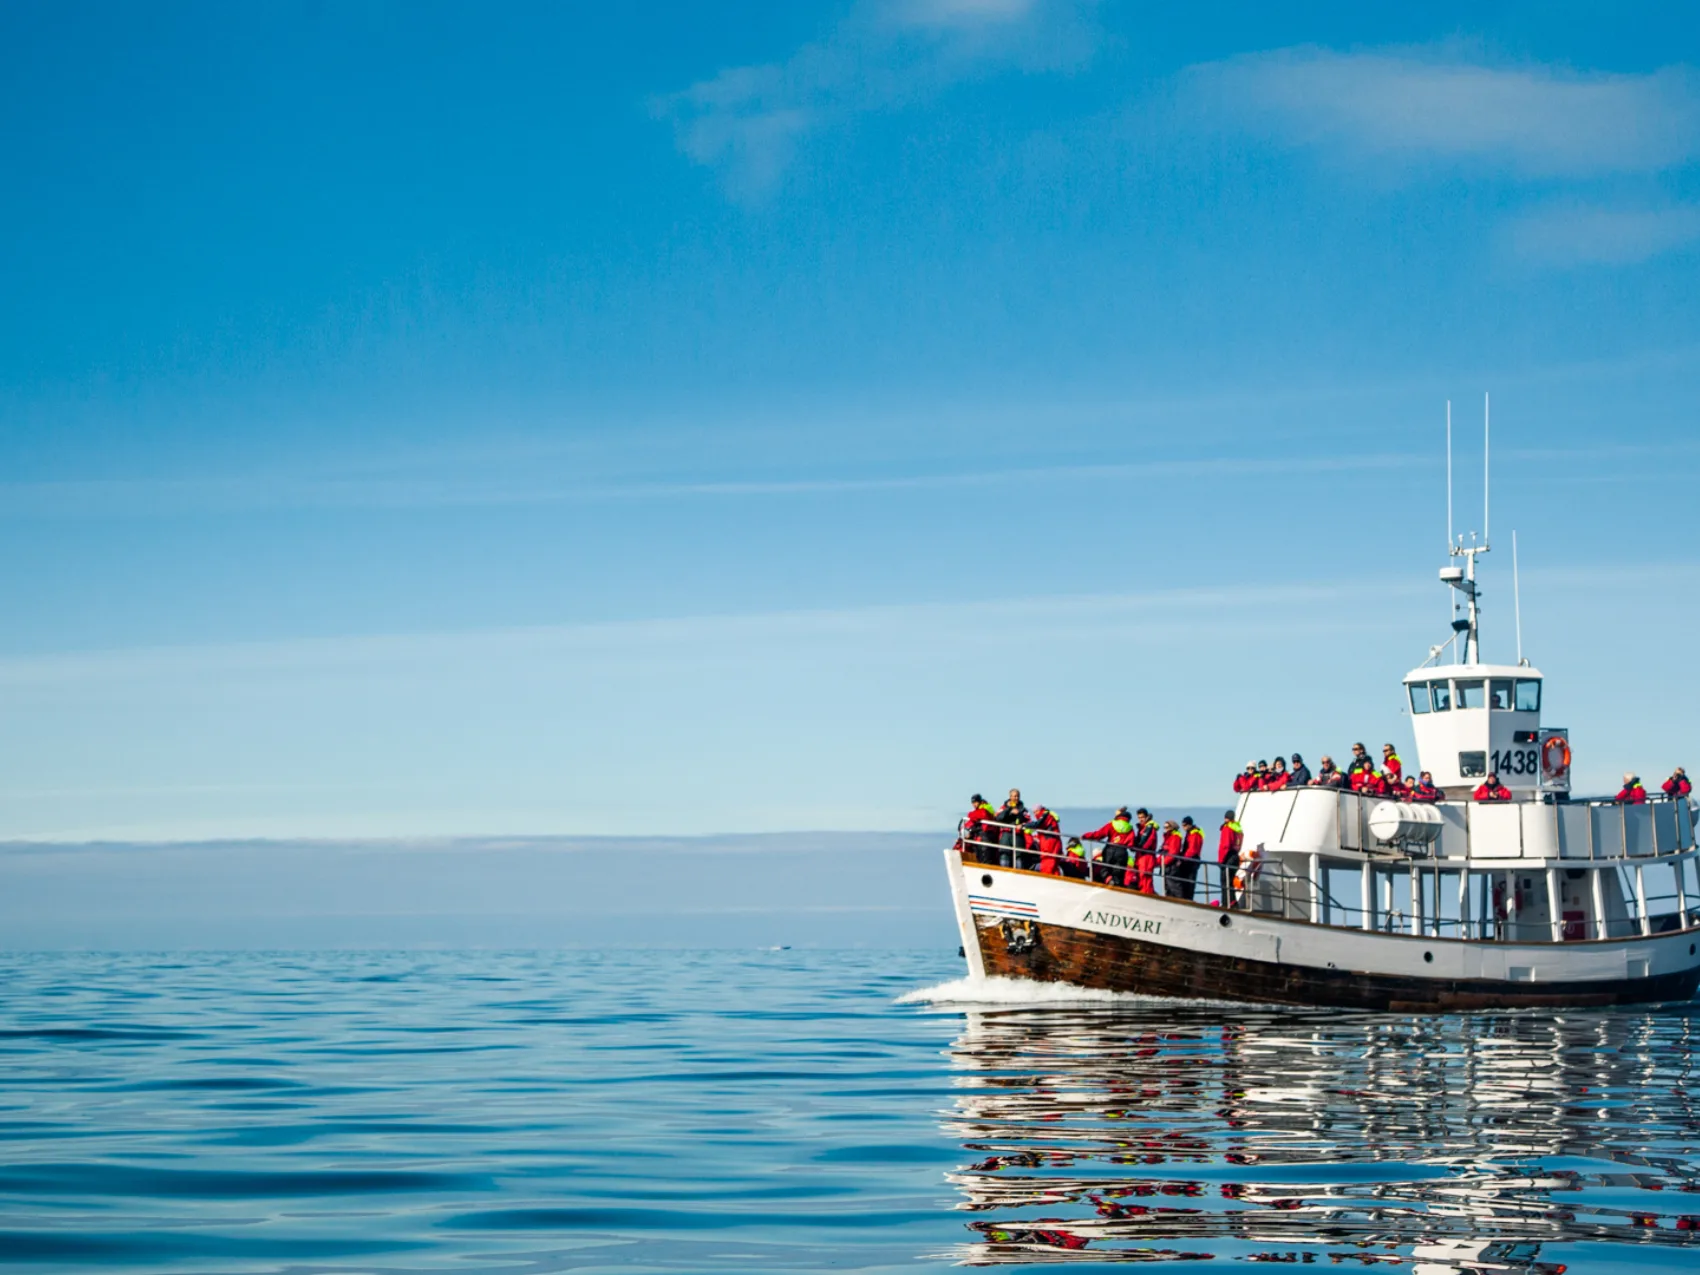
x,y
422,421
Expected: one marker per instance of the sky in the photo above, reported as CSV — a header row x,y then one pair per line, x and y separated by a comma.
x,y
441,420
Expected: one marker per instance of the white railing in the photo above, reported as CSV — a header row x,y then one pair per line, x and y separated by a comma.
x,y
1423,897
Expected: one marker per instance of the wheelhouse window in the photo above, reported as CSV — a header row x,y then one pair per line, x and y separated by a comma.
x,y
1528,695
1419,696
1499,694
1442,692
1470,694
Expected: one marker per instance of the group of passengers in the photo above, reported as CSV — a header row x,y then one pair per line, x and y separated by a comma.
x,y
1132,847
1360,775
1676,788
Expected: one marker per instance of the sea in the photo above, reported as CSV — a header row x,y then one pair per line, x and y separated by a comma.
x,y
790,1110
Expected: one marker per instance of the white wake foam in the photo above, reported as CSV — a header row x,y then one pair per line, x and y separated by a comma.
x,y
1007,992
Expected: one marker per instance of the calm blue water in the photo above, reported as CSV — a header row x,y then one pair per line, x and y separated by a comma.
x,y
781,1111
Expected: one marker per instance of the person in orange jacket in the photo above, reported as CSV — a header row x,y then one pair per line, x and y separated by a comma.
x,y
1228,843
1632,793
1045,837
1372,785
1117,836
1173,844
1677,786
1491,789
1277,777
1074,860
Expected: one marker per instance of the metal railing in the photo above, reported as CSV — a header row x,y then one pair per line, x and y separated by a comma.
x,y
1267,886
1487,902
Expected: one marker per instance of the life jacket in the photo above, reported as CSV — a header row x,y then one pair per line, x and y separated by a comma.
x,y
1233,834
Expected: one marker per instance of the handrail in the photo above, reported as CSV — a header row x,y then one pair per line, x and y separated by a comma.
x,y
1272,889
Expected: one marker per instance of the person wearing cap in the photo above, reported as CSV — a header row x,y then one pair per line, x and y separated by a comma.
x,y
1144,847
971,832
1677,786
1117,836
1246,780
1299,775
1173,843
1632,793
1074,860
1228,843
1180,879
1391,764
1044,843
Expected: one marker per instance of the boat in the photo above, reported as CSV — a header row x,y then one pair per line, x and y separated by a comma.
x,y
1346,899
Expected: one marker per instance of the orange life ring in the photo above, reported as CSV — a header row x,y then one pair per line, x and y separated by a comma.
x,y
1555,757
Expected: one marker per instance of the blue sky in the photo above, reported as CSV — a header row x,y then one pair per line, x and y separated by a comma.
x,y
424,420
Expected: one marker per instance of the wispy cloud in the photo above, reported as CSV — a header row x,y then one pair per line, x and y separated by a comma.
x,y
1436,106
748,121
1580,235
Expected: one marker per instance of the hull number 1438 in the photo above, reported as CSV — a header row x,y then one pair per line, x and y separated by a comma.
x,y
1515,761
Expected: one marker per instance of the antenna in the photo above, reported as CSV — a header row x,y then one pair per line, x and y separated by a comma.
x,y
1448,475
1516,597
1485,420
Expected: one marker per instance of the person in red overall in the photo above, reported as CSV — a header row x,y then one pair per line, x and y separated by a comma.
x,y
1425,789
1228,843
1117,836
1045,836
1143,850
978,813
1373,784
1492,790
1632,793
1173,845
1677,786
1246,780
1391,764
1180,879
1074,860
1277,777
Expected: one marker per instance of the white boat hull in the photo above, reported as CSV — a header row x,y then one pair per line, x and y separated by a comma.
x,y
1023,924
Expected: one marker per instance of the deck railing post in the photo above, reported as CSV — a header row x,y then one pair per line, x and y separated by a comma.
x,y
1602,927
1316,912
1366,894
1555,904
1464,901
1641,901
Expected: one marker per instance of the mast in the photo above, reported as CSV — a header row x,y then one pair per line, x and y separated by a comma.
x,y
1464,580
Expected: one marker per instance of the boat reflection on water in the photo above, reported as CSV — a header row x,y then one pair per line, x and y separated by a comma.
x,y
1504,1142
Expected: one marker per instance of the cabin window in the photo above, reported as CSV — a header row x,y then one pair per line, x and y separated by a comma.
x,y
1472,765
1419,696
1499,694
1528,696
1469,694
1442,696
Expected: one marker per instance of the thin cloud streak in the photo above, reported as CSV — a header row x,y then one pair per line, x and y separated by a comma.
x,y
1432,105
1579,235
748,122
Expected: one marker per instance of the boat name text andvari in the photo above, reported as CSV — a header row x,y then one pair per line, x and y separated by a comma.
x,y
1116,921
